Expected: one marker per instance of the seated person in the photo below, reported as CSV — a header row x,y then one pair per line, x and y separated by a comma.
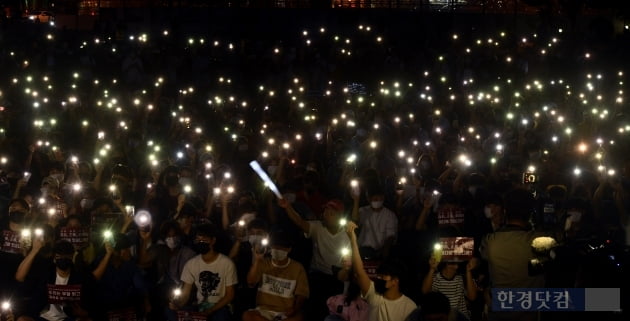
x,y
62,273
121,285
247,240
386,301
283,285
442,277
212,273
349,306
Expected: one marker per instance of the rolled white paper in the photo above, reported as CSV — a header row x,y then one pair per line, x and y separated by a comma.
x,y
263,175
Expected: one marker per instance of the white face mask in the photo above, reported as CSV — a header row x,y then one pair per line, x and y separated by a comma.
x,y
279,255
172,242
376,204
487,211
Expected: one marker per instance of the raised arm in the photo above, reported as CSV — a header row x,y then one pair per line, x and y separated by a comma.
x,y
254,274
355,206
102,266
427,282
471,287
421,223
294,216
363,280
225,211
27,263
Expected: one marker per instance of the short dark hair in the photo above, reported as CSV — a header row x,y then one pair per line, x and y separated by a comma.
x,y
63,247
281,238
435,303
168,226
208,230
393,268
519,204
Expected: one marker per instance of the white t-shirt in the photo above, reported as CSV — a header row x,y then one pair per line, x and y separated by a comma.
x,y
326,247
376,227
210,279
382,309
55,311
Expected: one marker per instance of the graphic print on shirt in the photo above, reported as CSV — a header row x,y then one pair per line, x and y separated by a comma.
x,y
209,283
277,286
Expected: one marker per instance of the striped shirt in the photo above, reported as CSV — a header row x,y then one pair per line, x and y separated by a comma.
x,y
454,291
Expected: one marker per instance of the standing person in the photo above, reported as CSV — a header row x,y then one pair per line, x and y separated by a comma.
x,y
508,251
387,302
379,225
212,273
328,241
283,286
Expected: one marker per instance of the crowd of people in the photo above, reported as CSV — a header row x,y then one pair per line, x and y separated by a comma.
x,y
126,191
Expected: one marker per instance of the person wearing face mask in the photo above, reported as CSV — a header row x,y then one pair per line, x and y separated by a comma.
x,y
120,282
86,252
212,273
379,225
61,273
386,301
328,240
168,256
248,239
282,283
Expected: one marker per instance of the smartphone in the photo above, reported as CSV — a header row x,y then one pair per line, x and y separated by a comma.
x,y
131,210
262,248
27,176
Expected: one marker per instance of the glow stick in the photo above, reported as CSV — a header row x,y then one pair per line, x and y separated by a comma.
x,y
263,175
